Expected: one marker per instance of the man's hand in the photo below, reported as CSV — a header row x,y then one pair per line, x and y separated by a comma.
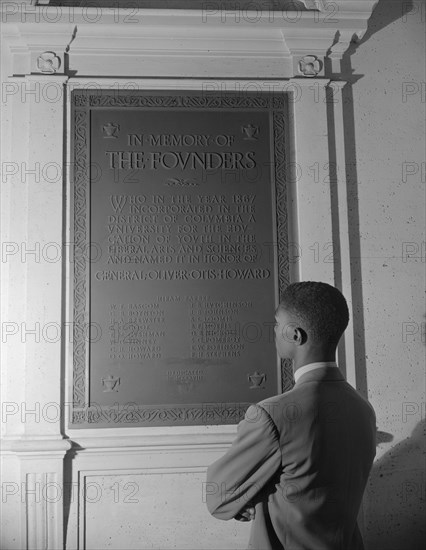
x,y
246,514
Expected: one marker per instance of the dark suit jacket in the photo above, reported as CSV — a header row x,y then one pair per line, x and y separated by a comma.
x,y
302,459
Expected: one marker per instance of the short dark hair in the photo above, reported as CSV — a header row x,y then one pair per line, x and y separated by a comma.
x,y
320,308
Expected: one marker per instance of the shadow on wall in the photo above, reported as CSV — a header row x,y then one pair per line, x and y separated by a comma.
x,y
384,14
395,505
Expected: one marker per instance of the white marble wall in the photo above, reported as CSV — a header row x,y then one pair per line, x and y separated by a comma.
x,y
390,142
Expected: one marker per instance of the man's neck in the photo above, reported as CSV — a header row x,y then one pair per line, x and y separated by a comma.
x,y
326,357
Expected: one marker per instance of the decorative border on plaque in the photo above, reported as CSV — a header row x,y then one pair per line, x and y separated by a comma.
x,y
81,176
82,101
279,127
206,413
207,101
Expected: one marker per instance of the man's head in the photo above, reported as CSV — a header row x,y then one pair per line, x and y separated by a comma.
x,y
313,314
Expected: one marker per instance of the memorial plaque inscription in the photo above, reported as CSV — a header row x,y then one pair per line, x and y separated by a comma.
x,y
178,200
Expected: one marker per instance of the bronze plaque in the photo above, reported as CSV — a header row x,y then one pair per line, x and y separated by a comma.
x,y
178,201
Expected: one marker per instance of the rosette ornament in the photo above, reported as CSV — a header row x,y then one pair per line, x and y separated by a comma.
x,y
48,62
310,65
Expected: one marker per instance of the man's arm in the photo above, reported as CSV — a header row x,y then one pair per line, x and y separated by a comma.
x,y
254,457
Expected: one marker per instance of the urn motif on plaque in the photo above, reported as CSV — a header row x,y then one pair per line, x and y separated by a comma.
x,y
257,380
110,383
110,130
250,132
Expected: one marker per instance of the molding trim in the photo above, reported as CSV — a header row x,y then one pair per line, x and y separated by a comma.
x,y
41,445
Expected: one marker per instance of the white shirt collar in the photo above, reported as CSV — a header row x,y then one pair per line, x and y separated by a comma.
x,y
313,366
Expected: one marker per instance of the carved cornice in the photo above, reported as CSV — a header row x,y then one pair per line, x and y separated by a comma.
x,y
191,4
171,5
273,41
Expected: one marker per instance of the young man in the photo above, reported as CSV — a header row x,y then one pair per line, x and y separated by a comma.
x,y
300,462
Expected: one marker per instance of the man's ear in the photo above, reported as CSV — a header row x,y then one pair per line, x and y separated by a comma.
x,y
299,336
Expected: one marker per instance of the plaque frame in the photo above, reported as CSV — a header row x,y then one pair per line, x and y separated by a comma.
x,y
82,414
